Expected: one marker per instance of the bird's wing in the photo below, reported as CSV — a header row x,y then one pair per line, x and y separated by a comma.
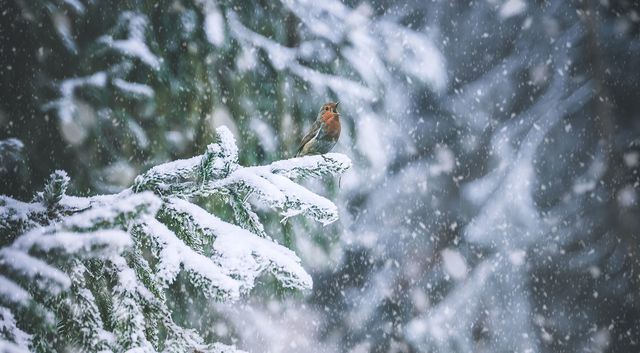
x,y
315,129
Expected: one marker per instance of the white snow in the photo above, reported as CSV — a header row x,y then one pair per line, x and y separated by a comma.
x,y
133,88
512,8
329,163
15,211
627,196
454,263
68,242
214,26
245,255
445,161
68,86
300,200
177,167
631,159
128,293
370,140
581,187
225,146
10,330
144,202
517,257
139,133
62,24
76,5
175,253
46,277
135,45
8,347
261,188
11,292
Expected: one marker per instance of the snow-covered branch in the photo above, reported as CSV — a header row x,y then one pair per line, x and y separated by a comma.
x,y
135,244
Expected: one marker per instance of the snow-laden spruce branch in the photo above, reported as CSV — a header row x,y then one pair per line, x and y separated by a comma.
x,y
218,172
96,270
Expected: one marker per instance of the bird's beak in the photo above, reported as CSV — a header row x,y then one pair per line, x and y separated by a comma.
x,y
337,104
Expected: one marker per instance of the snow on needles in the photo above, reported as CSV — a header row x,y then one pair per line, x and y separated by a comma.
x,y
71,243
45,276
145,202
245,255
175,253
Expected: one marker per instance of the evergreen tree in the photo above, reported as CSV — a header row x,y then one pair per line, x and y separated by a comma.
x,y
120,86
507,228
94,273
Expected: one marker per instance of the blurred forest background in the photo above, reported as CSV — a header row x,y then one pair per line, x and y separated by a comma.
x,y
493,202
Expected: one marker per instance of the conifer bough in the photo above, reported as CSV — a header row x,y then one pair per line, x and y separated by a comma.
x,y
91,273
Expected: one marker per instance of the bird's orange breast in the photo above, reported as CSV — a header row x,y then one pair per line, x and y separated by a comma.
x,y
331,124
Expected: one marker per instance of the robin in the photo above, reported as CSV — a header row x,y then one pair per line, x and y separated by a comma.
x,y
323,134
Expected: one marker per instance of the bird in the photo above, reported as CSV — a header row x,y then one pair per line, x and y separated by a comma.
x,y
324,132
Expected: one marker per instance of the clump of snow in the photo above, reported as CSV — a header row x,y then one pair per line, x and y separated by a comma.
x,y
62,24
127,207
181,168
37,271
117,175
139,133
300,200
111,241
517,257
225,146
76,5
627,196
133,88
214,25
632,159
581,187
454,264
512,8
12,292
445,161
134,46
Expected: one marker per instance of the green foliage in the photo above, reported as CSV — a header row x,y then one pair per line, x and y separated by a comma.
x,y
54,189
